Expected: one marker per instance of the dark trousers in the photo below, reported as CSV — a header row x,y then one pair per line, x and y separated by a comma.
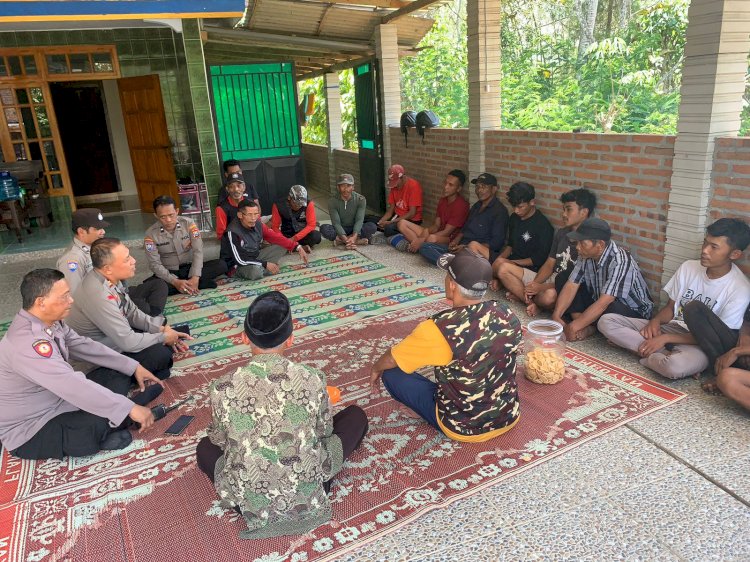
x,y
211,270
713,336
350,424
389,229
156,358
311,239
150,296
75,434
329,233
414,391
583,300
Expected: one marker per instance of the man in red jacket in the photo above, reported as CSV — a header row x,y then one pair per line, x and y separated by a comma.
x,y
294,217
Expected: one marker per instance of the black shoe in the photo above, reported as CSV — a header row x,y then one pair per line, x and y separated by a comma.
x,y
116,440
184,328
151,392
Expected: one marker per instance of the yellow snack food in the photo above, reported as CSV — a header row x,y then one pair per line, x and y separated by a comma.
x,y
544,366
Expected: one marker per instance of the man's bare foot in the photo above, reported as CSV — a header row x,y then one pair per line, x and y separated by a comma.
x,y
494,284
511,297
362,241
588,331
307,249
710,387
532,309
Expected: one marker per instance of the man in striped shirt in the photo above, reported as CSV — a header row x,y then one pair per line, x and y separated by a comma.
x,y
605,279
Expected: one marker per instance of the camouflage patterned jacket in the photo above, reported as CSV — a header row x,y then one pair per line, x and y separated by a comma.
x,y
477,391
273,421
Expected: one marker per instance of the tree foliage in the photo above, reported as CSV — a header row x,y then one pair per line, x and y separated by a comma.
x,y
589,65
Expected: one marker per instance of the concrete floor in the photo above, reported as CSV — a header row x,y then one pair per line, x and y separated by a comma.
x,y
674,485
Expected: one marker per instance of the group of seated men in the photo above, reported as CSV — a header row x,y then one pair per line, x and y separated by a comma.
x,y
82,341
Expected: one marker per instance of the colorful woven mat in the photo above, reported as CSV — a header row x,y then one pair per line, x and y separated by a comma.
x,y
151,503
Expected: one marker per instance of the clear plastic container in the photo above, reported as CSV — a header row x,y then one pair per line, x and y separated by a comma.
x,y
544,349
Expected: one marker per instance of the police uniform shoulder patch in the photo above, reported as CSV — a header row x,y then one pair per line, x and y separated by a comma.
x,y
73,266
194,232
43,348
149,243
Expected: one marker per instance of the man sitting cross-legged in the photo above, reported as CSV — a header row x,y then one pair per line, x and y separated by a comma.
x,y
733,367
665,343
484,229
452,210
104,312
273,446
241,245
174,251
348,227
49,409
542,291
294,217
605,279
473,348
529,240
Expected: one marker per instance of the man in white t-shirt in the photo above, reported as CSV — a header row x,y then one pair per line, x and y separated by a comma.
x,y
664,343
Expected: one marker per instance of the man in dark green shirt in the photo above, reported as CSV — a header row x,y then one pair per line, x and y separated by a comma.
x,y
347,211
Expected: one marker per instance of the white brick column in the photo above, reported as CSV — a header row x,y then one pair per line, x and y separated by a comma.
x,y
713,82
333,118
483,42
389,82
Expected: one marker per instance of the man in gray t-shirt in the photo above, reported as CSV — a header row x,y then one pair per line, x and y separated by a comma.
x,y
542,291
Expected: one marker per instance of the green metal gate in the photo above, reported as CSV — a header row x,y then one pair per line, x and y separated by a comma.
x,y
372,177
255,111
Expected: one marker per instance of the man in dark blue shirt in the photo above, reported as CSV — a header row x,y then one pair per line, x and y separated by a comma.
x,y
484,229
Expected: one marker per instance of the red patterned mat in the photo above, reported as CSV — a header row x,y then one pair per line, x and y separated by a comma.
x,y
151,503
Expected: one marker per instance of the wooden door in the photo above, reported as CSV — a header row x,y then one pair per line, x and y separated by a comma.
x,y
148,139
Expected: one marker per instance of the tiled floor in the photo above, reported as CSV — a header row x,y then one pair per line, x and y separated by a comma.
x,y
674,485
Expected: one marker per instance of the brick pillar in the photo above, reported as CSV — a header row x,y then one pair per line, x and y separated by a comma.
x,y
204,123
389,79
333,117
483,41
713,82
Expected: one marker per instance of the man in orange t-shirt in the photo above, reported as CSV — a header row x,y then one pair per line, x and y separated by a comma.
x,y
404,201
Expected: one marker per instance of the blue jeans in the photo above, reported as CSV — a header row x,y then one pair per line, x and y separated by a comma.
x,y
413,391
431,251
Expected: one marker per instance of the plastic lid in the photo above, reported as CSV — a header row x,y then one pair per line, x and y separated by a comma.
x,y
545,328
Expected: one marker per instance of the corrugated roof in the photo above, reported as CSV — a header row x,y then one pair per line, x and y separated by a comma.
x,y
318,36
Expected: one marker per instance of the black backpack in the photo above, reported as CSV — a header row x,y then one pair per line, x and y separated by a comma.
x,y
425,120
408,119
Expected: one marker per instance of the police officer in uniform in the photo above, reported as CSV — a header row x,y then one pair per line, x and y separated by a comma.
x,y
47,408
104,312
88,226
237,191
294,217
174,250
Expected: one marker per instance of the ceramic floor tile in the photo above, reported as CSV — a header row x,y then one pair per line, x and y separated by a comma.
x,y
691,516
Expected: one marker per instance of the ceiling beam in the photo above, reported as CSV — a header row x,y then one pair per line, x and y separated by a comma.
x,y
351,63
323,19
286,50
390,4
246,35
406,10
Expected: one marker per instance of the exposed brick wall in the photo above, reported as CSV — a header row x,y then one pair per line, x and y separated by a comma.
x,y
630,175
443,150
730,184
316,166
347,162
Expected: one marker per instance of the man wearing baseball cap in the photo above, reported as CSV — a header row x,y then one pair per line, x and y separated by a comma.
x,y
226,210
404,201
88,226
347,211
484,229
294,217
605,279
274,445
472,347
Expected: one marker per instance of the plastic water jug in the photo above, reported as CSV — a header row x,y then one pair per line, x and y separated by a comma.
x,y
9,188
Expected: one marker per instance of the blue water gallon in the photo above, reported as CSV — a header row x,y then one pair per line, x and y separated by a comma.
x,y
9,188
